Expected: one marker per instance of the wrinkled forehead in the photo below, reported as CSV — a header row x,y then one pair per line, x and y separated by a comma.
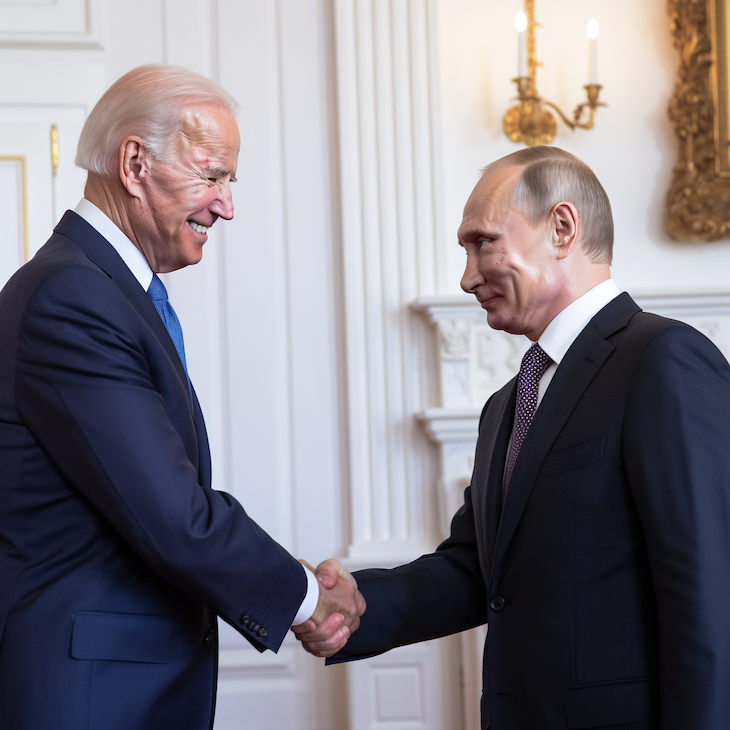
x,y
209,124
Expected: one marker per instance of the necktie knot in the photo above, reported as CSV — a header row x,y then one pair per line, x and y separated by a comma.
x,y
534,364
156,290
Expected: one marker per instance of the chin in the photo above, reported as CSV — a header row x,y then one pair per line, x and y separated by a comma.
x,y
511,328
193,256
496,322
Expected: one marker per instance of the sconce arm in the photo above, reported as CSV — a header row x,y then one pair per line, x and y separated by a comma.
x,y
569,122
592,103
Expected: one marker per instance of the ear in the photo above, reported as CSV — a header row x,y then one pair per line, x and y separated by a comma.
x,y
134,165
565,228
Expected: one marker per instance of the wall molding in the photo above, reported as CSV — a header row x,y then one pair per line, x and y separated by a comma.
x,y
57,24
473,360
389,155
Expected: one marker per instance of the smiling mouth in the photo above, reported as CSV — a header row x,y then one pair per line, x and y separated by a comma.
x,y
197,227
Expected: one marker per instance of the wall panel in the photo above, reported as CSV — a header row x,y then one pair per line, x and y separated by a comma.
x,y
384,52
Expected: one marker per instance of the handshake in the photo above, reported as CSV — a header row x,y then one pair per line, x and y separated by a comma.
x,y
338,611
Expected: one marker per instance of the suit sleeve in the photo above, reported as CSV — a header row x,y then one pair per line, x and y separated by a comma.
x,y
677,457
103,408
439,594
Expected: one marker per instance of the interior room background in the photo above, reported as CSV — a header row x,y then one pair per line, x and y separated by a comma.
x,y
340,368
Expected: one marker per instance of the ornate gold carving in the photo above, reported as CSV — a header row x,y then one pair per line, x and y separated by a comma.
x,y
529,123
698,201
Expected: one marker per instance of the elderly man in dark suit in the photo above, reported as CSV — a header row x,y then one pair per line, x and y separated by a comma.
x,y
595,535
115,553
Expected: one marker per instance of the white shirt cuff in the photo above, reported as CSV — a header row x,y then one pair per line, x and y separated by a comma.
x,y
309,604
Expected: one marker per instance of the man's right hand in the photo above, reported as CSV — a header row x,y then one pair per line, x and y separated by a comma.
x,y
338,610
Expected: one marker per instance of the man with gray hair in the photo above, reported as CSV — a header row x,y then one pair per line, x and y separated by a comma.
x,y
116,554
594,538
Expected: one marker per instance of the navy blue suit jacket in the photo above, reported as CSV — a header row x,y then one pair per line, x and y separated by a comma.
x,y
115,553
605,580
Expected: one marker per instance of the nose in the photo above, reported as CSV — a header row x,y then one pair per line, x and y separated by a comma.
x,y
222,206
472,277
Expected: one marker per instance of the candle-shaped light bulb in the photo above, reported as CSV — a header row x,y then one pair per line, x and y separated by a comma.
x,y
592,30
521,28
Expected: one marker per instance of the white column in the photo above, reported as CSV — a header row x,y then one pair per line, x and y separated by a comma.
x,y
388,163
387,77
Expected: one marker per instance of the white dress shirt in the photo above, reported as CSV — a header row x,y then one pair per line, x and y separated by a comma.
x,y
138,265
562,332
130,254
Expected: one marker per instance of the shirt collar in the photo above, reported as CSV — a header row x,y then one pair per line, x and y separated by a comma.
x,y
130,254
560,334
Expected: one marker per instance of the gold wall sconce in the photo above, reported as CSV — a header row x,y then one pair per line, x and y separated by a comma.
x,y
529,122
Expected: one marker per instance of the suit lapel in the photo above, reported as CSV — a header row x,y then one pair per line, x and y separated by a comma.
x,y
204,462
493,441
103,254
580,365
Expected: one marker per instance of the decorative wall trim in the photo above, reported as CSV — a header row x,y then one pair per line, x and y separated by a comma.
x,y
49,24
709,312
14,192
238,659
409,688
698,201
387,72
469,375
684,303
25,132
386,75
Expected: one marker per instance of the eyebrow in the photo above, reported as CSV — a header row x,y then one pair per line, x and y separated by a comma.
x,y
469,234
218,171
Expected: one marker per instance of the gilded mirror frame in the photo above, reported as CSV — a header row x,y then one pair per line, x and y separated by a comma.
x,y
698,201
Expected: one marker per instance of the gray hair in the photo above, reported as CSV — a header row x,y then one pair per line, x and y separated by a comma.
x,y
552,175
149,102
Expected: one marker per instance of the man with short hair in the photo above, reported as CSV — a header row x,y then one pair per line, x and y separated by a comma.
x,y
115,553
594,538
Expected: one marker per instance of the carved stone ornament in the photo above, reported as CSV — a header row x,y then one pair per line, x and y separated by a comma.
x,y
454,339
698,201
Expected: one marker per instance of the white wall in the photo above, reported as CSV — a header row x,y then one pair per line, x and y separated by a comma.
x,y
364,124
632,148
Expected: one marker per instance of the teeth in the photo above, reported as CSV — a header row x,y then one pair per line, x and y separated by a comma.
x,y
197,227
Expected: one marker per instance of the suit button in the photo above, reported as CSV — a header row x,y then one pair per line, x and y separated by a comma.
x,y
246,620
263,633
255,628
497,603
210,636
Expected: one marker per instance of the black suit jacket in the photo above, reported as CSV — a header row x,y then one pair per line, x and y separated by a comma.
x,y
606,578
115,553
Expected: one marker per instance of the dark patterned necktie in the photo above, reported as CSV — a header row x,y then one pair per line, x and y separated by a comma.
x,y
158,295
534,364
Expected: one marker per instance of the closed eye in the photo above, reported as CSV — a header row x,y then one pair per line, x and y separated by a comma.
x,y
216,174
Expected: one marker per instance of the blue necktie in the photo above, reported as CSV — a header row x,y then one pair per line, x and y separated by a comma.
x,y
158,295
